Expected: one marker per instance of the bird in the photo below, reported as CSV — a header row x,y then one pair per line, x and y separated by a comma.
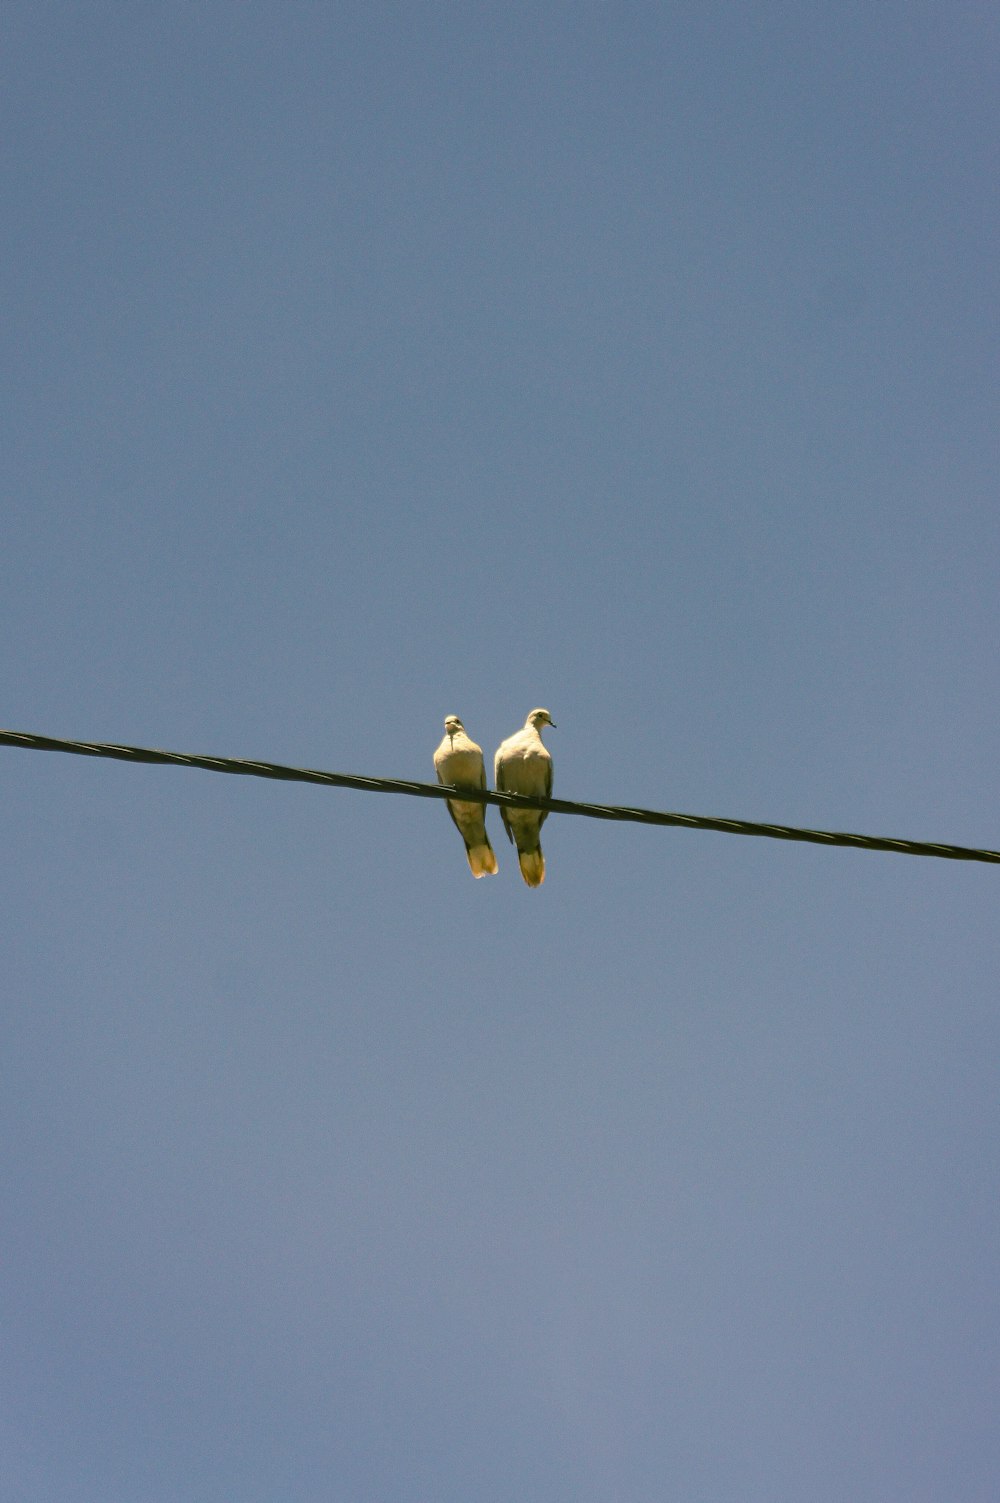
x,y
458,761
523,765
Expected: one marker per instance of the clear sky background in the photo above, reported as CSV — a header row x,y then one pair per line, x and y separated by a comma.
x,y
369,363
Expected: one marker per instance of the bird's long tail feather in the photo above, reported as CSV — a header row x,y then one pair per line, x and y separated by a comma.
x,y
482,861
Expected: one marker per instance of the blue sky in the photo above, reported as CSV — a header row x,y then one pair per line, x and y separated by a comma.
x,y
368,364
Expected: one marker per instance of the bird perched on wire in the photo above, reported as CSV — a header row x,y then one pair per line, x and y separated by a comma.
x,y
524,766
458,761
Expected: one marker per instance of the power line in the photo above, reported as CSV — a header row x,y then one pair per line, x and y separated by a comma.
x,y
277,771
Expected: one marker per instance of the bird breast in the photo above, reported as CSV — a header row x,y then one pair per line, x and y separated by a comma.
x,y
461,767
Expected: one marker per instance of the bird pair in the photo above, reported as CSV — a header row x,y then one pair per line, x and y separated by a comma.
x,y
522,765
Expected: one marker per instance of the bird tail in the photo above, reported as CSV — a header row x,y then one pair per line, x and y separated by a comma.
x,y
482,861
532,866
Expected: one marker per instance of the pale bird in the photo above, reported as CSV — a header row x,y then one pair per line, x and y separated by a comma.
x,y
524,766
458,761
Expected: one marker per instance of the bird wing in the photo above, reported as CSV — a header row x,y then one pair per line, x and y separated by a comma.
x,y
500,779
454,817
543,814
443,780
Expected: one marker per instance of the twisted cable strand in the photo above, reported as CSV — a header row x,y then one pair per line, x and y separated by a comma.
x,y
276,770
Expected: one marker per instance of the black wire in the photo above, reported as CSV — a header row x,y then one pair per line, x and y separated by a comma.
x,y
277,771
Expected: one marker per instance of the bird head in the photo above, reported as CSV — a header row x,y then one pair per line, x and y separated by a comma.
x,y
538,718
